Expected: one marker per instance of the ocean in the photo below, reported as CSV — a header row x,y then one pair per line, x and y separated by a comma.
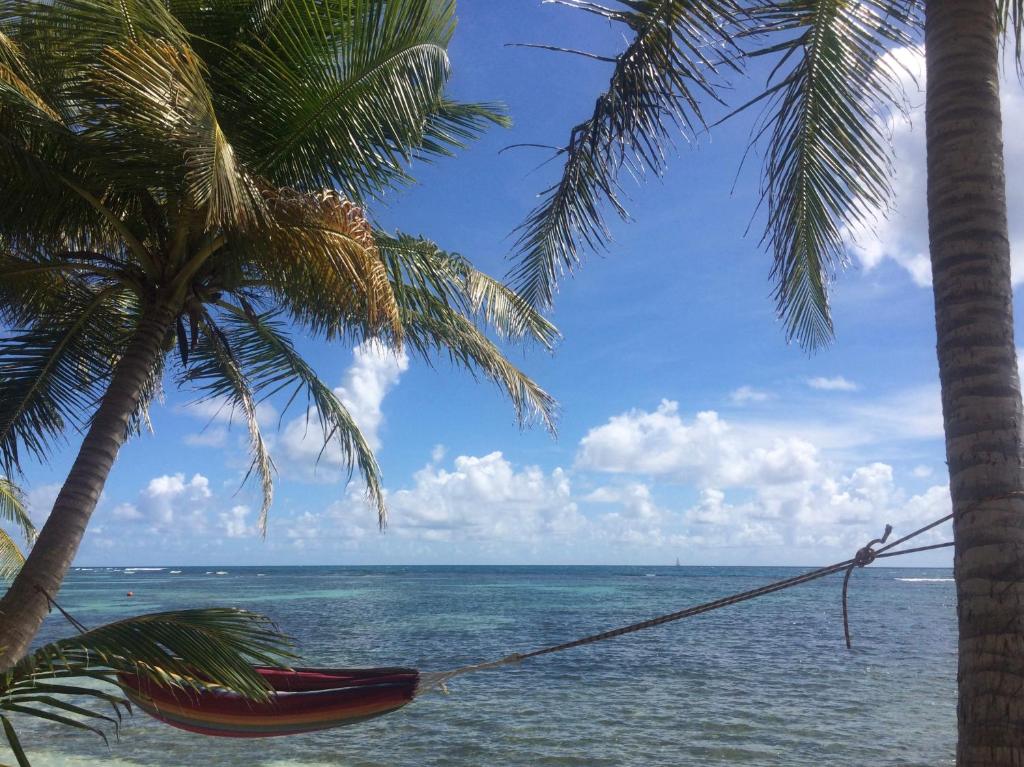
x,y
768,682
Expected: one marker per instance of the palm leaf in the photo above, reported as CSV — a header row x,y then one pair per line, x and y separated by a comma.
x,y
11,558
186,650
420,263
12,510
828,159
259,344
219,375
339,93
675,49
53,371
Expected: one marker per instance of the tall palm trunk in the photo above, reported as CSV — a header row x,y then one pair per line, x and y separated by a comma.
x,y
24,606
981,400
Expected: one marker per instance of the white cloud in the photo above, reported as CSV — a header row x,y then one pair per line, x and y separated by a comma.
x,y
922,472
235,523
215,437
480,499
170,499
375,370
903,235
836,383
747,394
706,452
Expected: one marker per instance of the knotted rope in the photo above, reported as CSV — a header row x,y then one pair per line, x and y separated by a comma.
x,y
864,557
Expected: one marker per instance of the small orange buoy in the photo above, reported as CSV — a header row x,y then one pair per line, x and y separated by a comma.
x,y
131,593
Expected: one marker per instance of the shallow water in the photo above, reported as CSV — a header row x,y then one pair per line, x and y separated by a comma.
x,y
767,682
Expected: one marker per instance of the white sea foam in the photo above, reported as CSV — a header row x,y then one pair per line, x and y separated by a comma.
x,y
143,569
221,572
175,572
926,580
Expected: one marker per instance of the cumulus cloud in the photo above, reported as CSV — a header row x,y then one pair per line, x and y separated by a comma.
x,y
482,499
706,451
903,235
835,383
235,522
169,502
375,370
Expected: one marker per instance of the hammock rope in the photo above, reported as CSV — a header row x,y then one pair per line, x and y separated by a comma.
x,y
305,700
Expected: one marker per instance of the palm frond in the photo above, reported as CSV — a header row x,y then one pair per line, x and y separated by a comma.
x,y
338,93
828,158
420,263
53,371
316,255
13,510
185,650
674,52
153,100
1011,22
11,558
434,328
272,364
218,374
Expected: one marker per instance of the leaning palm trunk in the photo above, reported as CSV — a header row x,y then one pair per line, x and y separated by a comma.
x,y
981,400
24,606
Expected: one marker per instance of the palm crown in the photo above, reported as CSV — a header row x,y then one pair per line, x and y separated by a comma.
x,y
202,167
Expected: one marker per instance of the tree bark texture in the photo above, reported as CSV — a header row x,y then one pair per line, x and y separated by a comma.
x,y
981,402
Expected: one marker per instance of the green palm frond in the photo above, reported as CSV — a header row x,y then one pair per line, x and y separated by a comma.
x,y
440,294
828,157
219,374
372,80
419,263
263,350
186,650
13,510
153,97
675,49
11,558
53,371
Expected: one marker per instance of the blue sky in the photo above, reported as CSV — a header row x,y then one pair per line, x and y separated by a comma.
x,y
688,427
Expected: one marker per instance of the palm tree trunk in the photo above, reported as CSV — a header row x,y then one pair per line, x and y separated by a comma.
x,y
981,402
25,605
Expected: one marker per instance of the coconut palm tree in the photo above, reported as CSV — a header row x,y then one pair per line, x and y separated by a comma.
x,y
182,183
827,168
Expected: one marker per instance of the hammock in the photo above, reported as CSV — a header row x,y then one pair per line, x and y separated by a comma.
x,y
303,700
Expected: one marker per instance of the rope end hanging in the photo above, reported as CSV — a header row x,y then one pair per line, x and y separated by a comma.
x,y
864,557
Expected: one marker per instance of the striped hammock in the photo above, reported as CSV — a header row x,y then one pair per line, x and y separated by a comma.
x,y
303,700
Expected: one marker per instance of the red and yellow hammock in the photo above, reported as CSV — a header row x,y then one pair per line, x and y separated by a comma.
x,y
302,700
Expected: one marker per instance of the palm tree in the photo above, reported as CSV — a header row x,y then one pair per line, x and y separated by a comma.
x,y
172,649
827,167
181,183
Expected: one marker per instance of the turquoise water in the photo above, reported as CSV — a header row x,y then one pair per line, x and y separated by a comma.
x,y
768,682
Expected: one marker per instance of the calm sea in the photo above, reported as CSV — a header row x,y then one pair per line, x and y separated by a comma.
x,y
764,683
